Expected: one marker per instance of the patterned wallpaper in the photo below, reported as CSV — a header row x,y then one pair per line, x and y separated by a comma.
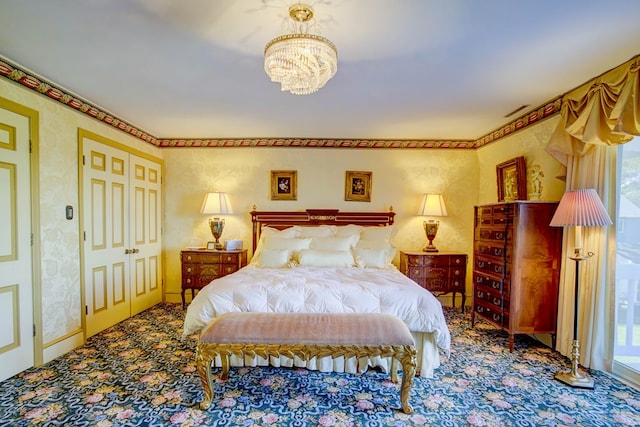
x,y
60,250
400,176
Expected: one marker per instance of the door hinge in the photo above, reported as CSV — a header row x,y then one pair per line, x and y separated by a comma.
x,y
31,239
30,147
34,329
83,163
86,309
84,236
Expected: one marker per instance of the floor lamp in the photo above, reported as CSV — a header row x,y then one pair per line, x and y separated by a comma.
x,y
578,208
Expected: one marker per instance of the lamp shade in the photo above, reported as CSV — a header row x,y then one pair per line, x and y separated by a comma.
x,y
216,203
580,208
432,205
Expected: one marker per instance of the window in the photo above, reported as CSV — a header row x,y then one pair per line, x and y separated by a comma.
x,y
627,296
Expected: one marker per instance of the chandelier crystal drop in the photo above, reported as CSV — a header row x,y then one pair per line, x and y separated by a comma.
x,y
302,63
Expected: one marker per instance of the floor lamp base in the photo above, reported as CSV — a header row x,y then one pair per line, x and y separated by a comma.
x,y
573,380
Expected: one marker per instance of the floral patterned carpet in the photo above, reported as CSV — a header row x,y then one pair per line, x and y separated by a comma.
x,y
139,373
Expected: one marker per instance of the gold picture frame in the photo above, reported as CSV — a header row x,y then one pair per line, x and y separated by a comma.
x,y
357,187
512,180
284,185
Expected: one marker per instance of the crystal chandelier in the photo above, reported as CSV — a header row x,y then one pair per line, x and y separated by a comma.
x,y
301,62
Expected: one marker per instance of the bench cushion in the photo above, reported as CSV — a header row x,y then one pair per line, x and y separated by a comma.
x,y
365,329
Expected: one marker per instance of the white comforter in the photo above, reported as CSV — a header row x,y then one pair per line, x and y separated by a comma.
x,y
316,289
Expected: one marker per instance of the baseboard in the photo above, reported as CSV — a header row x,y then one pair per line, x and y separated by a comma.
x,y
61,347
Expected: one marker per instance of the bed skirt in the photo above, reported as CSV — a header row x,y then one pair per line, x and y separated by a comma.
x,y
428,359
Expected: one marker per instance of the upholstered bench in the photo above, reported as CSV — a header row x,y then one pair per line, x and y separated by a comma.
x,y
306,335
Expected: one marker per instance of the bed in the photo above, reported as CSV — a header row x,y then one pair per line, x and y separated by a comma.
x,y
322,260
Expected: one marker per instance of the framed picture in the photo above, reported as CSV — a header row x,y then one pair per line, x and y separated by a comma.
x,y
357,187
512,180
211,246
284,185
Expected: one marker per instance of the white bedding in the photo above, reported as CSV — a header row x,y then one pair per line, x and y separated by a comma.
x,y
335,290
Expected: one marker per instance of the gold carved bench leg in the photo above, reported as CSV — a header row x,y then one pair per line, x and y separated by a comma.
x,y
203,365
225,367
394,369
408,360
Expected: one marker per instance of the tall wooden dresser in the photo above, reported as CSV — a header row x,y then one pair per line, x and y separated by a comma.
x,y
516,267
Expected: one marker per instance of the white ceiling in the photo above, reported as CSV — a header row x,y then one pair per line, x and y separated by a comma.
x,y
408,69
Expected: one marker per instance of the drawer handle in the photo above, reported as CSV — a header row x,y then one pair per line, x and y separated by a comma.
x,y
458,261
188,280
478,279
480,294
189,269
497,301
496,317
495,285
457,273
481,264
189,257
497,269
480,309
499,236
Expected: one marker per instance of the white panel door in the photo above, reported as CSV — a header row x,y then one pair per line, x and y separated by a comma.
x,y
122,212
145,241
16,286
106,240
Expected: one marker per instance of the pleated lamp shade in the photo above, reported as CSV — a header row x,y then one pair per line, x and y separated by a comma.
x,y
216,203
432,205
580,208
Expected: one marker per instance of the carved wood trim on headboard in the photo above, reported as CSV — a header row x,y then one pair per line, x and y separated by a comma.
x,y
313,217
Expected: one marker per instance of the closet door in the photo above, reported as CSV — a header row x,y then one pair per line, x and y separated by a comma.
x,y
16,285
122,225
106,235
145,240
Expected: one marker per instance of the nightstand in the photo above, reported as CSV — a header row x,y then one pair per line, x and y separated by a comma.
x,y
438,272
201,266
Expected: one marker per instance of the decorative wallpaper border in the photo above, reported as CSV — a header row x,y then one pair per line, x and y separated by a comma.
x,y
36,83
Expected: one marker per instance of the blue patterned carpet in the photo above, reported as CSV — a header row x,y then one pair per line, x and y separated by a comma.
x,y
139,373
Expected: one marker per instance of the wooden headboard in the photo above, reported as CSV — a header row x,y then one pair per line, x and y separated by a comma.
x,y
312,217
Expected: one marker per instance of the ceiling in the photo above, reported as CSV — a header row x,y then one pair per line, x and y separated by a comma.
x,y
408,69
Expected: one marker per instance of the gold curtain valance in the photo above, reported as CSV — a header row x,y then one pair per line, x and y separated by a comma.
x,y
604,111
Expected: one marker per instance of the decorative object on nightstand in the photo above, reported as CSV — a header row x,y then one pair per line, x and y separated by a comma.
x,y
440,273
216,204
578,208
432,205
201,266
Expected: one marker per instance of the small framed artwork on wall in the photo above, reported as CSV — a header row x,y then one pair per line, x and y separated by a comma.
x,y
357,186
284,185
512,180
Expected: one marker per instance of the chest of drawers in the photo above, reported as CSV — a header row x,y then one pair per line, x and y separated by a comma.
x,y
516,267
440,273
201,266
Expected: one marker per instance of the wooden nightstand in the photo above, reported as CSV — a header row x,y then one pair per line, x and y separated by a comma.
x,y
438,272
201,266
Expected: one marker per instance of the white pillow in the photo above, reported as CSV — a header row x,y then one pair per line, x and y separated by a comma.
x,y
379,233
294,244
387,247
267,232
318,258
273,258
334,243
317,231
371,258
348,230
